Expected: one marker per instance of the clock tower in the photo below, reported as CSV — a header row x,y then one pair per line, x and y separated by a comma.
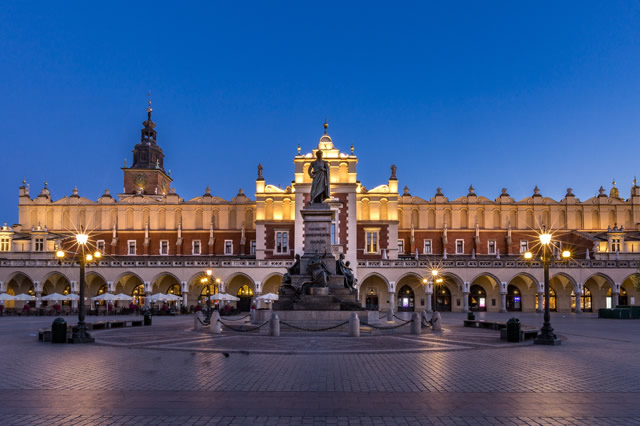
x,y
146,176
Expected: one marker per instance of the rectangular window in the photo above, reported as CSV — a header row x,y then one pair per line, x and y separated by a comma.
x,y
5,244
400,246
228,246
164,247
459,246
372,242
427,247
39,244
615,245
100,245
132,247
333,232
253,248
491,248
524,246
195,247
282,242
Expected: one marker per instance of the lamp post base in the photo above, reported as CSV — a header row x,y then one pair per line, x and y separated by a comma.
x,y
547,340
80,335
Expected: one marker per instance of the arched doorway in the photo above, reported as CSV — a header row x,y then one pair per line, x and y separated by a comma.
x,y
514,299
477,299
371,300
175,289
245,293
443,299
138,295
102,290
623,299
553,306
586,300
406,299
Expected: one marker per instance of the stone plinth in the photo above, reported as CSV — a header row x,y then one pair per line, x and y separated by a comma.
x,y
317,220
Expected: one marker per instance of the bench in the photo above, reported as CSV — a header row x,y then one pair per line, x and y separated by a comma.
x,y
492,325
116,324
525,334
100,325
135,323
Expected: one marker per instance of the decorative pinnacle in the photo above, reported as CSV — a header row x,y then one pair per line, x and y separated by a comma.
x,y
149,109
635,181
299,149
614,182
326,125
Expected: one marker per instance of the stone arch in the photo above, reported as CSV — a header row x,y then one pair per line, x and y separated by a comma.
x,y
163,281
494,281
20,281
384,209
464,218
374,292
413,282
57,281
496,219
431,219
599,284
94,281
271,283
241,285
579,220
415,218
490,284
126,282
528,286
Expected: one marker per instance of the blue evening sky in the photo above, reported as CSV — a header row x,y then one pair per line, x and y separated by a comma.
x,y
494,94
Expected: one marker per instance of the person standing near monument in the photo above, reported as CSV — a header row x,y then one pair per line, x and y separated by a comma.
x,y
319,172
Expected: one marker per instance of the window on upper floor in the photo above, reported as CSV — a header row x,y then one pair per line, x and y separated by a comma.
x,y
616,245
253,247
228,246
400,246
524,246
164,247
100,245
5,244
491,247
371,241
132,247
39,244
459,246
428,248
195,247
282,242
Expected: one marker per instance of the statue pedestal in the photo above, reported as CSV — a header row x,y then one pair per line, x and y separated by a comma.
x,y
303,294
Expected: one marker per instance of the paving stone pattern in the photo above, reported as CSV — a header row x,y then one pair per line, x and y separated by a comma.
x,y
463,376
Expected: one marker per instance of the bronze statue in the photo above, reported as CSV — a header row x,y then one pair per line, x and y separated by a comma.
x,y
319,172
319,272
292,270
344,269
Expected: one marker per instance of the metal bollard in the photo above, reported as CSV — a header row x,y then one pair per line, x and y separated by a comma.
x,y
416,328
274,325
354,325
197,321
216,327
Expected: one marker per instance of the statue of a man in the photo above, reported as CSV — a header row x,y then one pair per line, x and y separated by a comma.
x,y
319,272
292,270
319,172
344,269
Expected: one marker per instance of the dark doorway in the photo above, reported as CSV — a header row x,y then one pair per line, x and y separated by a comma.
x,y
372,302
514,299
477,299
406,299
443,299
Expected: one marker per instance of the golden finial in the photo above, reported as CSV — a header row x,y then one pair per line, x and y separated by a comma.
x,y
326,125
635,181
614,182
149,109
299,149
351,149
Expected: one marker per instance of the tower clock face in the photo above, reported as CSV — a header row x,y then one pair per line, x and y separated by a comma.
x,y
141,181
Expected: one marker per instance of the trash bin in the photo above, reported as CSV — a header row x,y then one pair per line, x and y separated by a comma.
x,y
59,331
513,330
147,317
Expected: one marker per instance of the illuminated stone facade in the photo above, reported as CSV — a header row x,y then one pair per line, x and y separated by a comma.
x,y
155,241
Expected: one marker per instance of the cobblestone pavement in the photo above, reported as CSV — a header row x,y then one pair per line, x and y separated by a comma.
x,y
167,374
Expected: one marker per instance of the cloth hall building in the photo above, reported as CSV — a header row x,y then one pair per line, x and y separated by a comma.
x,y
155,241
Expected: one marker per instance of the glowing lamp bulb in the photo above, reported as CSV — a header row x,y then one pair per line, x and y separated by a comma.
x,y
89,258
528,255
545,239
434,272
566,254
59,254
82,238
209,272
97,255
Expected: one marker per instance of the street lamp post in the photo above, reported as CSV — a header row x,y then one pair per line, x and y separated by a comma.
x,y
208,280
83,256
546,336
